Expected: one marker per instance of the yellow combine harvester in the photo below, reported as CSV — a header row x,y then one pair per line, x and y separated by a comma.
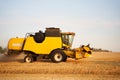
x,y
52,44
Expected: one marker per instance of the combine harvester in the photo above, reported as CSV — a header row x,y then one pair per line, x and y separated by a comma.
x,y
52,44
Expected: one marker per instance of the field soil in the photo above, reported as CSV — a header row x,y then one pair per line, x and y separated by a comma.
x,y
100,66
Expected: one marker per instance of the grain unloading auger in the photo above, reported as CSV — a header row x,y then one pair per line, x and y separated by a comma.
x,y
52,44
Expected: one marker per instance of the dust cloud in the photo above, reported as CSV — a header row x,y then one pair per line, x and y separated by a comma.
x,y
7,58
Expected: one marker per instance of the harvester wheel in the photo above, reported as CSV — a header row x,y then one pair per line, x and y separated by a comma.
x,y
58,56
28,59
65,59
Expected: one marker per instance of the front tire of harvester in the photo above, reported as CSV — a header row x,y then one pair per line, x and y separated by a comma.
x,y
28,59
58,56
65,59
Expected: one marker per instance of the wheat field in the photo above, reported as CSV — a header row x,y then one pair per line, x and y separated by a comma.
x,y
100,66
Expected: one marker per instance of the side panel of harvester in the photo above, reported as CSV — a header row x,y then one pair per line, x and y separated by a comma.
x,y
15,44
49,44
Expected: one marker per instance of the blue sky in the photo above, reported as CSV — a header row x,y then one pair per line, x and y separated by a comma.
x,y
94,21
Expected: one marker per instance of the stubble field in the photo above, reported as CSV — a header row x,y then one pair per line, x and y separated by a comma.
x,y
100,66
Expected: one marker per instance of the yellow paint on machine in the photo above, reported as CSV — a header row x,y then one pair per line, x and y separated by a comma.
x,y
15,43
86,48
49,44
87,55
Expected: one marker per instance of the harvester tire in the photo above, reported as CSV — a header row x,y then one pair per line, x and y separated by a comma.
x,y
65,59
39,37
28,59
58,56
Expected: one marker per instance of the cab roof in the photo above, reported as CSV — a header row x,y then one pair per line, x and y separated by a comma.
x,y
68,33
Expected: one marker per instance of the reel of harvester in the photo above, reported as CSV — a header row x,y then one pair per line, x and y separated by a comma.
x,y
83,51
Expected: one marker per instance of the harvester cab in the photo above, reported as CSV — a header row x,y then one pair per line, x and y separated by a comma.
x,y
67,39
51,44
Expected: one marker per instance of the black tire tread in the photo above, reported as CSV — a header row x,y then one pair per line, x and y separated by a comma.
x,y
58,51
